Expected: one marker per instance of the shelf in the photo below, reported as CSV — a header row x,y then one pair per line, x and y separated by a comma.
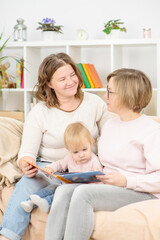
x,y
100,42
94,89
106,55
12,90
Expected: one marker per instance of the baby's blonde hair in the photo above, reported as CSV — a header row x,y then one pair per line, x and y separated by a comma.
x,y
76,135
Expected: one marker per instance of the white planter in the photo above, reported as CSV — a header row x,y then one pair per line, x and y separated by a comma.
x,y
114,34
49,35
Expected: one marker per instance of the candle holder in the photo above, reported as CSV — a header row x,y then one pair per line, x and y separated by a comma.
x,y
20,31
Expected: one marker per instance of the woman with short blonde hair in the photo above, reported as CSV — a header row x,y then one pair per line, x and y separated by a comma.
x,y
133,88
128,149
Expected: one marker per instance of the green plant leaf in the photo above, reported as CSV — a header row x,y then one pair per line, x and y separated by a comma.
x,y
107,30
4,44
113,24
6,57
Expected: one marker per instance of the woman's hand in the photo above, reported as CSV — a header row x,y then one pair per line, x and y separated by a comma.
x,y
113,178
26,168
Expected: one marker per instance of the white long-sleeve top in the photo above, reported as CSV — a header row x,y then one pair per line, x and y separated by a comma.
x,y
133,149
68,163
43,133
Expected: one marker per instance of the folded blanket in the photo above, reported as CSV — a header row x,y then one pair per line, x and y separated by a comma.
x,y
10,140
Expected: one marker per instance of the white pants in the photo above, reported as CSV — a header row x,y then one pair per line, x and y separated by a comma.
x,y
72,212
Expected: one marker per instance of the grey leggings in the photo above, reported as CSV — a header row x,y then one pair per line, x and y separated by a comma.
x,y
72,211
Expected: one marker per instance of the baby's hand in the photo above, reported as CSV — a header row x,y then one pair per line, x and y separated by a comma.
x,y
49,170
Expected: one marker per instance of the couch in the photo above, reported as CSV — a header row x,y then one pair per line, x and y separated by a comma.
x,y
137,221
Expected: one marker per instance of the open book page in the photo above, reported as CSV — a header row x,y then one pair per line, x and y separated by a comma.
x,y
76,177
82,177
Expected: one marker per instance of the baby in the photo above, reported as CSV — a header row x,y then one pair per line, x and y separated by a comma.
x,y
80,158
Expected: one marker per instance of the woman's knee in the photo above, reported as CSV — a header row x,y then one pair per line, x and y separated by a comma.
x,y
64,191
82,192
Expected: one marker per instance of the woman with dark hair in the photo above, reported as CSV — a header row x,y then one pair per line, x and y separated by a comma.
x,y
61,102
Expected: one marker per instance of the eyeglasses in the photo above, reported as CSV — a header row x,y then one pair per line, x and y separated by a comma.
x,y
109,92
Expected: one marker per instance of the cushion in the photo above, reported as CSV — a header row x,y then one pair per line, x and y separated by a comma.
x,y
10,140
135,221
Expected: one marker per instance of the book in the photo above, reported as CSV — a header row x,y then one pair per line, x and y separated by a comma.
x,y
82,177
22,73
85,79
83,86
19,73
94,75
73,177
88,76
22,82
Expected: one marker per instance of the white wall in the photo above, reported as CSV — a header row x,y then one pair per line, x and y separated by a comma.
x,y
89,14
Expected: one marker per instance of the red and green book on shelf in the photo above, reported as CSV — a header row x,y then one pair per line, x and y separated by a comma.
x,y
90,76
85,79
85,67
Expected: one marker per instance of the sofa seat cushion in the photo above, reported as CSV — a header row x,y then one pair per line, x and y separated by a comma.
x,y
135,221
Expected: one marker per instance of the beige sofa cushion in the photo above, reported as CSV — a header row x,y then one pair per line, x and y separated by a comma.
x,y
10,140
136,221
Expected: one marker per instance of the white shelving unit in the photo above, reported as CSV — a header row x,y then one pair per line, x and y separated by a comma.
x,y
106,55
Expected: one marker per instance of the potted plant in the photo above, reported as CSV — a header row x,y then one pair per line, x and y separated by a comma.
x,y
4,75
48,27
114,25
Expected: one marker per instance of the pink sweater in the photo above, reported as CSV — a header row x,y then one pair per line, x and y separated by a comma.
x,y
68,163
133,149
